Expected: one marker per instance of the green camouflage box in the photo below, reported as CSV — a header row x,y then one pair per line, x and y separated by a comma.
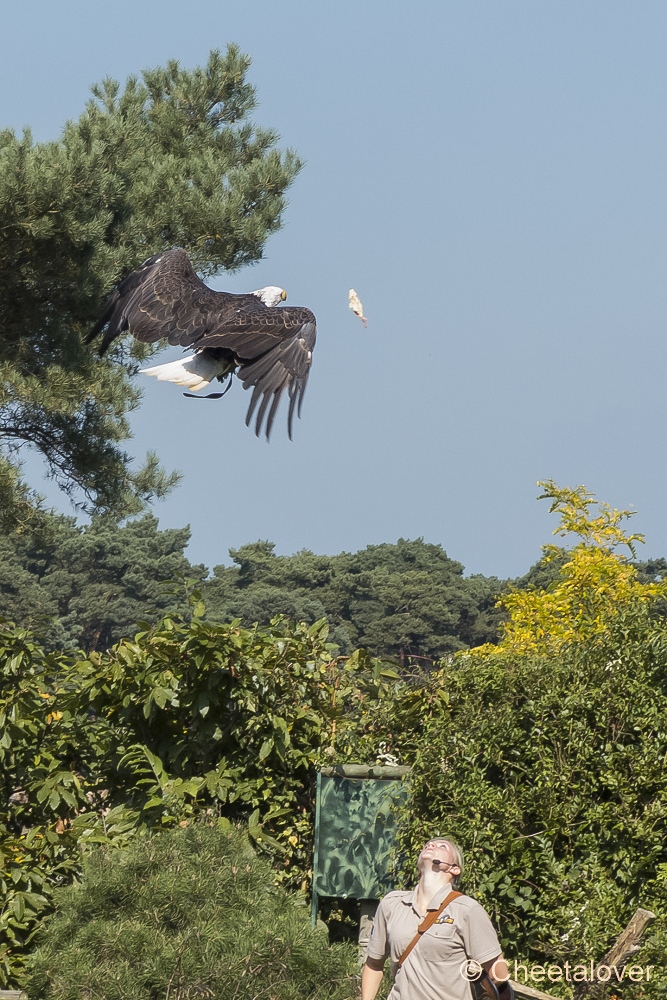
x,y
355,830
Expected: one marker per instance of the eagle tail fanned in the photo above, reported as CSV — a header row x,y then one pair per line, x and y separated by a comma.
x,y
194,372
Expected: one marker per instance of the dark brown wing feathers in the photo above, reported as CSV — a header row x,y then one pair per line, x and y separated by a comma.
x,y
164,299
284,367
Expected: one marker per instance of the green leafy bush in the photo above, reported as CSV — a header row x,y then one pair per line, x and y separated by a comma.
x,y
550,773
191,912
546,758
188,718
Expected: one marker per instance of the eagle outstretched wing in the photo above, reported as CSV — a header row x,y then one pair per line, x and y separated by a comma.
x,y
270,347
286,366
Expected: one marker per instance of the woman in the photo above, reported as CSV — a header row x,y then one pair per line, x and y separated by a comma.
x,y
449,952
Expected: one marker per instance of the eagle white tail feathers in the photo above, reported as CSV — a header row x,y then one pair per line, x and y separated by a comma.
x,y
194,372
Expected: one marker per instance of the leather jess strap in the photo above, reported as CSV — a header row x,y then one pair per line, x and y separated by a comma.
x,y
428,920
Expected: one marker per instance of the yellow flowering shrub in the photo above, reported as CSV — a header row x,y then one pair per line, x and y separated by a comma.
x,y
593,586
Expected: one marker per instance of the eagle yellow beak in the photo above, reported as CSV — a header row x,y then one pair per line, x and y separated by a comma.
x,y
283,295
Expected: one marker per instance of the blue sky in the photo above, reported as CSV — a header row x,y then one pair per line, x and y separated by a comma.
x,y
491,178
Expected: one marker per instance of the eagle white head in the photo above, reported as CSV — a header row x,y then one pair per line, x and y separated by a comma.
x,y
271,295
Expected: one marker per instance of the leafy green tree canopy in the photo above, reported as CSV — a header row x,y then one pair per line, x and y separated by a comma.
x,y
89,586
404,600
172,159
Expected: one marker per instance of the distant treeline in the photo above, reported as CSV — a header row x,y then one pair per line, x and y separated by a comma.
x,y
89,586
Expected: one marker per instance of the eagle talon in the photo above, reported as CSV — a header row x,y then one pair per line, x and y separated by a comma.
x,y
228,377
214,395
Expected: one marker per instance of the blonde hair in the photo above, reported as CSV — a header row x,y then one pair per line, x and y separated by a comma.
x,y
458,855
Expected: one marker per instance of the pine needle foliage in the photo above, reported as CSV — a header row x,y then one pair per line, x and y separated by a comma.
x,y
192,912
89,585
169,160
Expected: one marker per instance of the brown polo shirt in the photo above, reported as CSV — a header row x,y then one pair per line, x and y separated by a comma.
x,y
432,970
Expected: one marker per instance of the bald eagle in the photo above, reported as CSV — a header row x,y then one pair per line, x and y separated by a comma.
x,y
269,347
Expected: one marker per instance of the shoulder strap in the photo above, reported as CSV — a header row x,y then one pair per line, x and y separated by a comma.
x,y
429,919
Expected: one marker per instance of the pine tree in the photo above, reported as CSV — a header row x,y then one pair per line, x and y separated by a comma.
x,y
170,160
187,913
404,600
89,586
